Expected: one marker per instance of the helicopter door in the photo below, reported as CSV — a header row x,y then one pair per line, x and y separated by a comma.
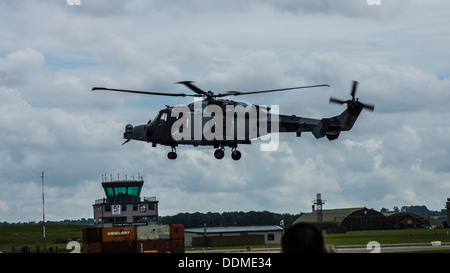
x,y
163,125
162,122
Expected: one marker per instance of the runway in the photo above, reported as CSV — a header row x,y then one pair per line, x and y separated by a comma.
x,y
395,248
372,248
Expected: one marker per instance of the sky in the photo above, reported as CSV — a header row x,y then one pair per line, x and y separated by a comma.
x,y
53,52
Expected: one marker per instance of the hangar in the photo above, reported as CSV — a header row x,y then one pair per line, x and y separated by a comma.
x,y
405,220
352,219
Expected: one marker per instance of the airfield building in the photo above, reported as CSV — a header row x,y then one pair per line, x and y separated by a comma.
x,y
351,219
123,205
405,220
447,206
233,236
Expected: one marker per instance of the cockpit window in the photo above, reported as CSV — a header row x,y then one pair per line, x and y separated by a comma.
x,y
162,119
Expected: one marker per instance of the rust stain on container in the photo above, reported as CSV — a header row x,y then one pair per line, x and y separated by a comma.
x,y
119,247
162,246
176,231
153,232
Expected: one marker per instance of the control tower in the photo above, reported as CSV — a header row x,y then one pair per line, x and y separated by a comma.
x,y
123,205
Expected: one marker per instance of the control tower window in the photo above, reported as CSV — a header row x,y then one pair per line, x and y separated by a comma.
x,y
118,191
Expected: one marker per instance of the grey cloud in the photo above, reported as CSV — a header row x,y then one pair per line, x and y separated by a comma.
x,y
388,10
52,122
15,68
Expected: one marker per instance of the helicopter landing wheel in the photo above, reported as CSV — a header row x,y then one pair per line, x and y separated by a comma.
x,y
236,155
173,154
219,153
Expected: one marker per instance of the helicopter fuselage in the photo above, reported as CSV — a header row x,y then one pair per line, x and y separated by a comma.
x,y
218,122
227,124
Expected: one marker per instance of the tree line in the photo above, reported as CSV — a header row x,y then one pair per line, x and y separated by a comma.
x,y
419,210
235,218
197,219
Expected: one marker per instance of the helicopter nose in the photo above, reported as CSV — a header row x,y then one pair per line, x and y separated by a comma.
x,y
137,132
128,131
129,128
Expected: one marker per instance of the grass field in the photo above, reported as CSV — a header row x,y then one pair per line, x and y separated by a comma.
x,y
32,236
57,236
388,236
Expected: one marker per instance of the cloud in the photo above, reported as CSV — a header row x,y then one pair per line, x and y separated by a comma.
x,y
53,54
370,145
15,68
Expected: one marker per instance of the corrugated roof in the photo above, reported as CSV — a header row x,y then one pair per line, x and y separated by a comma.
x,y
404,214
328,215
233,229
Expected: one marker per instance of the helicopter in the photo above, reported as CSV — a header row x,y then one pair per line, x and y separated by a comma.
x,y
214,121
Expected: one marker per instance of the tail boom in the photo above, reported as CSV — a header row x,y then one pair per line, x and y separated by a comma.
x,y
329,127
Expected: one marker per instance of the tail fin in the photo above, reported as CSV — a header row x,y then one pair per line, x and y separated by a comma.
x,y
348,118
332,127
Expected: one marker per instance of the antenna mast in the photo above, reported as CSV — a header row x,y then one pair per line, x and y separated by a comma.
x,y
43,207
319,202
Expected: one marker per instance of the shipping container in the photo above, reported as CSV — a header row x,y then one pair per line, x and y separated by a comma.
x,y
119,247
92,235
92,248
176,231
161,246
153,232
119,234
177,246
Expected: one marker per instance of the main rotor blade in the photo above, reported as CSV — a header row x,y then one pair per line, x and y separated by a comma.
x,y
239,93
193,87
355,86
145,92
369,107
335,100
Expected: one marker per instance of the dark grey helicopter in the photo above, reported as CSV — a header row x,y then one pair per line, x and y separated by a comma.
x,y
218,122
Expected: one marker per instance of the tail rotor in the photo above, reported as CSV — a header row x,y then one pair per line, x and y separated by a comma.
x,y
354,107
354,102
